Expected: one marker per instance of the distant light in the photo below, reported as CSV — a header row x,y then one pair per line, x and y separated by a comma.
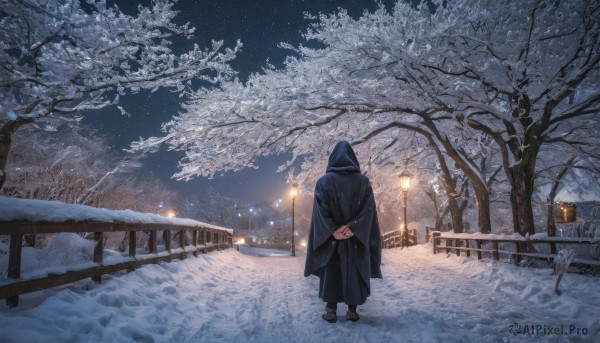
x,y
303,244
171,214
239,214
272,223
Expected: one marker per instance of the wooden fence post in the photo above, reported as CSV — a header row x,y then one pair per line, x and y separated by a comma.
x,y
457,246
132,243
14,265
495,254
167,237
132,246
448,245
517,253
182,244
436,235
98,253
468,246
152,242
478,249
195,241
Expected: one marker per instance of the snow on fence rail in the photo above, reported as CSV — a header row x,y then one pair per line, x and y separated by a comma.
x,y
20,218
521,246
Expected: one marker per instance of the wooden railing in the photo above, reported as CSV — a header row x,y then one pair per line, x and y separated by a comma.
x,y
394,239
520,247
204,239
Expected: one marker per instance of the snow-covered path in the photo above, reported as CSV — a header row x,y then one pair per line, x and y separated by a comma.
x,y
233,297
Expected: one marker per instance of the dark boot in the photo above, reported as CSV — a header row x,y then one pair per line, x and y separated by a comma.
x,y
330,314
352,314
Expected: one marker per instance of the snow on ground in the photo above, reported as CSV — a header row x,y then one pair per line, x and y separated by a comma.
x,y
232,296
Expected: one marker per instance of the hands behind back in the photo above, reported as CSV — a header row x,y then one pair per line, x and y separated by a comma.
x,y
343,232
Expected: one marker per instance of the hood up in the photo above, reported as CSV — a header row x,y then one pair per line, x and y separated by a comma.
x,y
343,159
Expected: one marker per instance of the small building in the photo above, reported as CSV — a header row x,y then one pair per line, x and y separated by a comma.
x,y
566,212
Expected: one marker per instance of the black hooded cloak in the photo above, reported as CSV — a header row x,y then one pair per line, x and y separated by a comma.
x,y
343,196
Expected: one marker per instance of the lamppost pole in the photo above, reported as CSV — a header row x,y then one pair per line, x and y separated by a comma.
x,y
293,194
405,222
404,186
293,220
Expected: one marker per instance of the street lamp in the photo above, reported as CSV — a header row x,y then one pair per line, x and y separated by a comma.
x,y
404,186
293,194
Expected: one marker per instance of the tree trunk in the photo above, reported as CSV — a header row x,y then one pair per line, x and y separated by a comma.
x,y
521,177
551,223
465,202
456,214
521,195
6,133
450,189
438,212
481,191
484,222
449,184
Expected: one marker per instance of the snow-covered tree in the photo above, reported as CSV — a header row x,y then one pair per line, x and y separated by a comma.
x,y
444,70
513,72
76,166
211,207
59,58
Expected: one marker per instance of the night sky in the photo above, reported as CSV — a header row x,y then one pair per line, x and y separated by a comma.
x,y
260,25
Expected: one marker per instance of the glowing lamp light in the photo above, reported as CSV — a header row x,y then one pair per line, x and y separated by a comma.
x,y
171,214
405,181
294,191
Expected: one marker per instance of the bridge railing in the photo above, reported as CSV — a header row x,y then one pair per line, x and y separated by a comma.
x,y
514,247
395,238
203,239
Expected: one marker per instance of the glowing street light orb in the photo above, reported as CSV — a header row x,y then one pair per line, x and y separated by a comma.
x,y
405,181
294,191
171,214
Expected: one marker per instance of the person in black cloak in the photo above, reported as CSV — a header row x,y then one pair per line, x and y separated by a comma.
x,y
344,244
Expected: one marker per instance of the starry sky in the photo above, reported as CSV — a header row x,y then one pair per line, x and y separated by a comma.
x,y
260,25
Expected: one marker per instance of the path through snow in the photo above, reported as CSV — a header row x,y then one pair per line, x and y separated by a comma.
x,y
233,297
